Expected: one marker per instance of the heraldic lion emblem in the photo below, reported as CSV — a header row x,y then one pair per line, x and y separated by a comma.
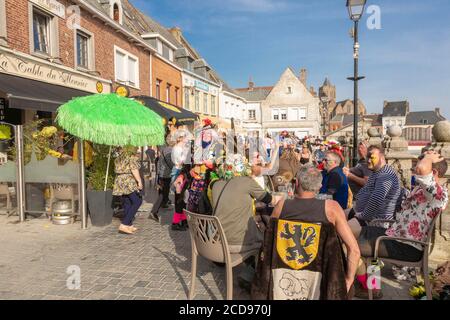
x,y
297,243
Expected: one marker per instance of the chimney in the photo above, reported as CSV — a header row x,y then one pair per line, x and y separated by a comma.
x,y
251,84
438,111
311,90
303,76
384,104
177,33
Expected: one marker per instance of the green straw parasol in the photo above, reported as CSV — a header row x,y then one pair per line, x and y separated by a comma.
x,y
112,120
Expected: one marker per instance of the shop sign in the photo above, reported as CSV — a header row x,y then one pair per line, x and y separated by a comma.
x,y
201,85
24,67
123,91
53,6
99,87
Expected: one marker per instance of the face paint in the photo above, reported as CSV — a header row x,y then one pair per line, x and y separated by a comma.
x,y
373,162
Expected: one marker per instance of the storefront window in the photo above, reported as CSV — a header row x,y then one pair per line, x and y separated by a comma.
x,y
41,32
50,171
8,180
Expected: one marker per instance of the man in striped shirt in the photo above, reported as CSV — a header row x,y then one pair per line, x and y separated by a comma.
x,y
378,198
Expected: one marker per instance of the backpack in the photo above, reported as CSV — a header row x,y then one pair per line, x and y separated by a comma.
x,y
204,206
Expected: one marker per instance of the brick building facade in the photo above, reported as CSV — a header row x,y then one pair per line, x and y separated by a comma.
x,y
101,50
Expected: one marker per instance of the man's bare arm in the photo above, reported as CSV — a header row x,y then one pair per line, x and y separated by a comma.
x,y
337,216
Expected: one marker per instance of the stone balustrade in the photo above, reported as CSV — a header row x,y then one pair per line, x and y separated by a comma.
x,y
398,156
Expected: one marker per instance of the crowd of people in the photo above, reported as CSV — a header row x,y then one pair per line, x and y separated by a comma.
x,y
289,178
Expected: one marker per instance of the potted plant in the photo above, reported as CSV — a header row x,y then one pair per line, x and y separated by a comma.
x,y
42,141
5,137
99,200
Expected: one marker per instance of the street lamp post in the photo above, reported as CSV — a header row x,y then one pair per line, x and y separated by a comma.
x,y
324,101
355,10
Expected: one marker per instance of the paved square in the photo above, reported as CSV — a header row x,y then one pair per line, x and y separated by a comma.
x,y
152,264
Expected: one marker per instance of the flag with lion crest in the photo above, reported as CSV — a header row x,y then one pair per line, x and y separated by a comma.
x,y
300,261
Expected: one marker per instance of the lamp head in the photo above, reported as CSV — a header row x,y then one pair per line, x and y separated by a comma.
x,y
356,9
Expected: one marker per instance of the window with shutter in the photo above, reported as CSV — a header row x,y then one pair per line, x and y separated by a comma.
x,y
132,66
120,67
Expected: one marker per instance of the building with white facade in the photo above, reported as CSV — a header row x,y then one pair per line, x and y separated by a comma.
x,y
292,107
201,95
231,108
289,106
394,114
251,113
200,85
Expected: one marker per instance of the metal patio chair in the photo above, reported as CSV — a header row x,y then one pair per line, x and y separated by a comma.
x,y
208,240
422,264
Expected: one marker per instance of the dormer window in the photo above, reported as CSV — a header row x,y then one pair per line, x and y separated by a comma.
x,y
116,11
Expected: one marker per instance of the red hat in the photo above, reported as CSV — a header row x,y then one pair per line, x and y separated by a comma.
x,y
207,122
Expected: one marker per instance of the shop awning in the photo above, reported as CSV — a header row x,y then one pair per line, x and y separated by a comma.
x,y
168,111
36,95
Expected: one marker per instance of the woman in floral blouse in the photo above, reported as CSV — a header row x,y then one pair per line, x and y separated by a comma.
x,y
128,184
426,201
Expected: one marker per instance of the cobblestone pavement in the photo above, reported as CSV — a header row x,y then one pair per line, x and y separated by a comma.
x,y
152,264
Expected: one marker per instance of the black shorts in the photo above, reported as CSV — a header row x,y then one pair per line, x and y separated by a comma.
x,y
388,248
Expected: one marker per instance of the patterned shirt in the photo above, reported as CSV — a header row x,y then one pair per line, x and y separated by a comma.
x,y
378,198
125,183
425,202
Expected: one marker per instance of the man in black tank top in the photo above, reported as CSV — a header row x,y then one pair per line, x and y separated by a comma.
x,y
305,207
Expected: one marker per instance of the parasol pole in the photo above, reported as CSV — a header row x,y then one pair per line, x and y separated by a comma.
x,y
82,185
107,167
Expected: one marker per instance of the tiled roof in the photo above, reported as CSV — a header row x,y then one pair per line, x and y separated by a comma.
x,y
348,119
254,94
135,21
396,109
423,117
338,118
377,119
343,102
